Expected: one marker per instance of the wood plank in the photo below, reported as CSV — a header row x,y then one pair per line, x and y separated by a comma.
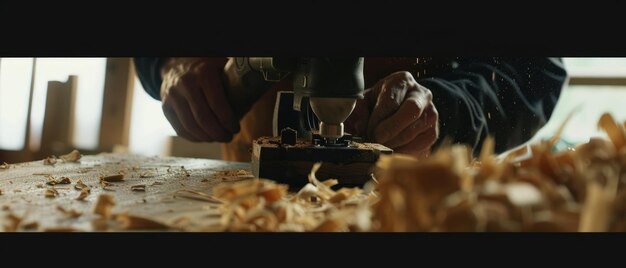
x,y
117,103
58,124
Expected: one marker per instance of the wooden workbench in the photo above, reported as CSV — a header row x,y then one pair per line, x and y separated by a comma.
x,y
24,186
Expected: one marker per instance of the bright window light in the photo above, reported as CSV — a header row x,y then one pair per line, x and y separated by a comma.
x,y
15,76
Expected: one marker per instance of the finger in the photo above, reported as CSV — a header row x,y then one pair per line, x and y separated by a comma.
x,y
202,113
410,111
390,131
216,97
186,118
356,124
422,142
169,113
392,92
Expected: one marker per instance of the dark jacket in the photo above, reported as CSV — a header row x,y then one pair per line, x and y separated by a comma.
x,y
508,98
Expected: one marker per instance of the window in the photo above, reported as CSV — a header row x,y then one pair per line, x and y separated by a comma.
x,y
15,83
597,85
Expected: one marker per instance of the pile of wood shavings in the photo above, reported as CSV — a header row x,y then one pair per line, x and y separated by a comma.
x,y
264,206
531,189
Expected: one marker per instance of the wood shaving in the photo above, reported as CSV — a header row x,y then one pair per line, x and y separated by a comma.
x,y
185,193
146,174
11,222
133,222
104,205
17,190
51,193
80,185
30,225
83,194
61,230
100,224
0,191
528,189
73,156
139,188
69,213
4,165
184,172
156,183
50,160
113,178
62,180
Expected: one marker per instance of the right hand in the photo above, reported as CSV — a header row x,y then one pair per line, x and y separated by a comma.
x,y
194,100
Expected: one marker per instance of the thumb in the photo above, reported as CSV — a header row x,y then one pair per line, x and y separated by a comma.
x,y
356,124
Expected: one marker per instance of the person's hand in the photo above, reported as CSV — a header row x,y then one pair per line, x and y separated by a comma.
x,y
194,101
398,113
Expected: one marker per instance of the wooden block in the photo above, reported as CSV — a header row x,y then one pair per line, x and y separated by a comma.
x,y
58,123
291,164
116,104
180,147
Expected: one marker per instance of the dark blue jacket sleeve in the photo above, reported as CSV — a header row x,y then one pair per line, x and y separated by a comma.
x,y
507,98
148,72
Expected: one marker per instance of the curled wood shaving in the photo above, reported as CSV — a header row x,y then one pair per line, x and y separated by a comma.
x,y
51,193
104,205
4,165
139,188
73,156
50,160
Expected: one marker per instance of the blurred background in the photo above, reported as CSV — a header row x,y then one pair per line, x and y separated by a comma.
x,y
53,105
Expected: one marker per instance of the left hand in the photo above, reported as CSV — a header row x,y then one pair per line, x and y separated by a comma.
x,y
398,113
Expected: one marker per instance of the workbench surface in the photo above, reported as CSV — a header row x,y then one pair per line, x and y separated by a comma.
x,y
24,189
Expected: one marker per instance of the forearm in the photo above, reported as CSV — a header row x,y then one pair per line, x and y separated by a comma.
x,y
509,99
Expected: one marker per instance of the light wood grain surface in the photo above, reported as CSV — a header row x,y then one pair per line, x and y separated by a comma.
x,y
24,185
